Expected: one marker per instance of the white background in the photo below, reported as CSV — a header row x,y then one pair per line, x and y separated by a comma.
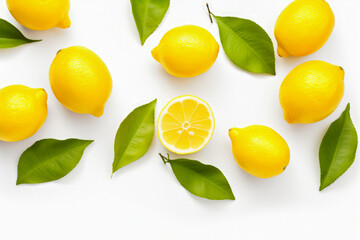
x,y
143,200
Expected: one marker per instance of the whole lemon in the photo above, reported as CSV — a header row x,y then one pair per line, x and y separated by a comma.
x,y
40,14
186,51
304,27
80,80
259,150
23,111
311,92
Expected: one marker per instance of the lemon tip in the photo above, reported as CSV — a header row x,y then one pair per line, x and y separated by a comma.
x,y
233,132
281,52
65,23
99,112
41,93
155,53
289,119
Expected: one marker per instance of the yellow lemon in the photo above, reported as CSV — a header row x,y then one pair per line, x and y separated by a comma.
x,y
186,51
311,92
80,80
259,150
186,124
23,111
41,14
304,27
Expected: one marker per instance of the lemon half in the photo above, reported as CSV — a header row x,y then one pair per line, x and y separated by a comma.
x,y
186,124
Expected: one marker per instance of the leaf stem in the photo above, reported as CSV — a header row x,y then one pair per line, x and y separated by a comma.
x,y
210,13
165,160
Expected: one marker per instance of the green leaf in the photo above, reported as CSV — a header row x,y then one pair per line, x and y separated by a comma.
x,y
202,180
10,36
338,149
246,44
148,14
49,160
135,134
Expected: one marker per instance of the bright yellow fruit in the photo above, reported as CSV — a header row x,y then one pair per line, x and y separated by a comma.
x,y
23,111
259,150
186,125
80,80
41,14
186,51
311,92
304,27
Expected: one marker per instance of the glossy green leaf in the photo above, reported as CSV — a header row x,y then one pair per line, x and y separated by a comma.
x,y
135,134
246,44
148,14
202,180
338,149
50,159
10,36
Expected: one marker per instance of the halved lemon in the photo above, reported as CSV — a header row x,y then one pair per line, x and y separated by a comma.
x,y
186,124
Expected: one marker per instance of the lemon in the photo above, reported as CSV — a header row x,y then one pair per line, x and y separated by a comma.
x,y
259,150
304,27
40,14
186,124
311,92
186,51
80,80
23,111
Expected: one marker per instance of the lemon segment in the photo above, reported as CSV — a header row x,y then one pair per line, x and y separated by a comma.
x,y
186,124
23,111
303,27
40,14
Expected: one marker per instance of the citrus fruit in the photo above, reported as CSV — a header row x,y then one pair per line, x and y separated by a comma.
x,y
311,92
186,124
40,14
259,150
186,51
304,27
80,80
23,111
